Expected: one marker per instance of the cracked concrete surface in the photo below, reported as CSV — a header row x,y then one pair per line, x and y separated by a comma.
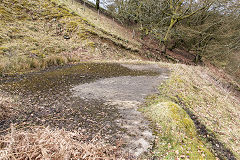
x,y
127,93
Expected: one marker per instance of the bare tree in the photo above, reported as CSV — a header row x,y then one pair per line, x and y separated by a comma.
x,y
206,28
180,10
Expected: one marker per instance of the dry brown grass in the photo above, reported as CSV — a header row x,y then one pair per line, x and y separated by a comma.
x,y
200,90
33,32
45,143
233,67
100,21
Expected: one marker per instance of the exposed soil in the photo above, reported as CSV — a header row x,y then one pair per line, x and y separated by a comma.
x,y
95,99
152,50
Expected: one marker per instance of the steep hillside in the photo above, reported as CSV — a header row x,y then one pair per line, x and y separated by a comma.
x,y
37,34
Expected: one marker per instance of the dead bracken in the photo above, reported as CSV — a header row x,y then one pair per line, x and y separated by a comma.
x,y
46,143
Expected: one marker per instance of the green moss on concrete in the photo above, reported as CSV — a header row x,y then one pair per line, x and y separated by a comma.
x,y
176,133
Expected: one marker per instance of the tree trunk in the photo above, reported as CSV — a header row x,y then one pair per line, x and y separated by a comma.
x,y
164,48
97,4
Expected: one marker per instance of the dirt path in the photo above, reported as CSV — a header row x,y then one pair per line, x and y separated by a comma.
x,y
100,100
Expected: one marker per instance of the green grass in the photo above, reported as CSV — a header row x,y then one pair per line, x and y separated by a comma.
x,y
199,90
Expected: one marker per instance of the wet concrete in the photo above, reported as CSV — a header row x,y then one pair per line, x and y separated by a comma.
x,y
100,100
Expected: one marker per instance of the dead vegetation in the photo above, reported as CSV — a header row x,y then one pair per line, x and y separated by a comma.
x,y
102,22
46,143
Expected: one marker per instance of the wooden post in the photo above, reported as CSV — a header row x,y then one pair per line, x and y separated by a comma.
x,y
84,5
133,34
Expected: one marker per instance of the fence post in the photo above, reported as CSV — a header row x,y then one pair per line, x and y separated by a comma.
x,y
84,5
133,34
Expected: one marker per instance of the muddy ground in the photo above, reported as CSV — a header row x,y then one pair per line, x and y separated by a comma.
x,y
99,100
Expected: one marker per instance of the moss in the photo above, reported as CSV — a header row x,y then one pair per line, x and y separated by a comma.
x,y
182,119
36,51
91,44
71,26
193,88
176,133
82,35
3,50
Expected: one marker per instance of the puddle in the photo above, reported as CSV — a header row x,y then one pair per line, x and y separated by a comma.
x,y
98,99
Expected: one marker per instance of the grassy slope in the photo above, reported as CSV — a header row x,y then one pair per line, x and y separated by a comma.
x,y
197,89
33,32
103,23
233,66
